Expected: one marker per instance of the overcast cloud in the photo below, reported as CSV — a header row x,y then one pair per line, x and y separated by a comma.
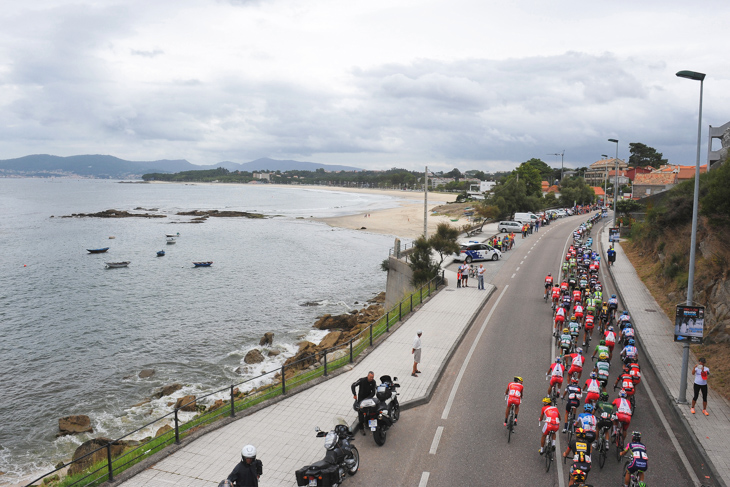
x,y
468,84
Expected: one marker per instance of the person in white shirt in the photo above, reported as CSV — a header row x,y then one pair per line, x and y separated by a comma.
x,y
416,353
480,276
701,374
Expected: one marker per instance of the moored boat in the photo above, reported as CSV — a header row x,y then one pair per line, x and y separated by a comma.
x,y
171,240
160,253
203,264
116,265
172,234
97,251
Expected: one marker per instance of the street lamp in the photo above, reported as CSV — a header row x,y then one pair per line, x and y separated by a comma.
x,y
615,183
690,280
605,178
561,154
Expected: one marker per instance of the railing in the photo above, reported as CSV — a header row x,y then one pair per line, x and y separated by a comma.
x,y
105,462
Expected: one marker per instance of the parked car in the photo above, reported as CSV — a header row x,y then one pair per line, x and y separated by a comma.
x,y
526,217
477,251
509,226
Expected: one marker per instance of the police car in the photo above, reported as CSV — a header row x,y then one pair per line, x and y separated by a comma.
x,y
471,251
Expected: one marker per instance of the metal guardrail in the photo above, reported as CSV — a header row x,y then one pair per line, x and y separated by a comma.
x,y
133,451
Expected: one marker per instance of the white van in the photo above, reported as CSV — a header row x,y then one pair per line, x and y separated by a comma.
x,y
525,217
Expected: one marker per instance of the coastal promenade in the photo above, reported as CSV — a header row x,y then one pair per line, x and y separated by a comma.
x,y
656,342
283,433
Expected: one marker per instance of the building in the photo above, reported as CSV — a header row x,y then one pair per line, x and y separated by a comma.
x,y
633,171
600,194
264,176
440,181
596,173
684,173
653,183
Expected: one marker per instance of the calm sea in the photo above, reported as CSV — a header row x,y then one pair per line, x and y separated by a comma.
x,y
74,335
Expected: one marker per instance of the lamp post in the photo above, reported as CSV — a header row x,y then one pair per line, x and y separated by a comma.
x,y
615,183
605,179
561,154
682,399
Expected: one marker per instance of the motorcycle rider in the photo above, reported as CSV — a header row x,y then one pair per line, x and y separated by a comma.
x,y
367,387
249,469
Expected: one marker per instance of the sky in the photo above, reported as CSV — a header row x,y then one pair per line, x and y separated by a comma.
x,y
473,84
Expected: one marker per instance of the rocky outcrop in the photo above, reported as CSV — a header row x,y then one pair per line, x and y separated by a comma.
x,y
186,403
163,430
114,214
330,340
82,462
167,390
340,322
305,356
253,357
218,213
267,340
718,311
380,298
273,353
145,373
72,425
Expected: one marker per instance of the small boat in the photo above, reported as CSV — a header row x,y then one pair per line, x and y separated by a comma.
x,y
112,237
117,265
97,251
172,234
454,219
171,240
203,264
160,253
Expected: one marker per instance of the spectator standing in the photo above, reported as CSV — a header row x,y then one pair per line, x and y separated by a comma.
x,y
511,240
532,226
611,255
537,226
416,351
465,275
480,276
458,277
701,374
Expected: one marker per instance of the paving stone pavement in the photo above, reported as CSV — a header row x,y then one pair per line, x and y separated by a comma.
x,y
656,339
283,433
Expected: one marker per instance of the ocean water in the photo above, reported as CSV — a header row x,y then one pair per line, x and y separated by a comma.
x,y
74,335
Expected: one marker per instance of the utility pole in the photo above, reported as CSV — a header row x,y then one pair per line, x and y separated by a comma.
x,y
425,203
561,154
605,181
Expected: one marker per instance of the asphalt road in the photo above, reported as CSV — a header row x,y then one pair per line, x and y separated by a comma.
x,y
511,336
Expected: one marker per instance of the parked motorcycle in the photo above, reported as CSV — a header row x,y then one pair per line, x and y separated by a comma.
x,y
341,459
382,410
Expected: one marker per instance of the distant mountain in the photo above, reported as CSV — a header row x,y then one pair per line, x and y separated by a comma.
x,y
101,166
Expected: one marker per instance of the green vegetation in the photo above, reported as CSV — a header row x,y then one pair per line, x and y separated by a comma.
x,y
423,267
207,175
643,155
444,241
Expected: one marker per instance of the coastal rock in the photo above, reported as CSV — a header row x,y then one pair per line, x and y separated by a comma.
x,y
306,356
330,340
142,403
167,390
380,298
311,303
219,403
342,322
82,461
144,373
254,357
72,425
273,353
267,339
225,213
115,214
186,403
163,430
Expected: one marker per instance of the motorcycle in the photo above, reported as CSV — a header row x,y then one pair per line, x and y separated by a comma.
x,y
341,459
382,410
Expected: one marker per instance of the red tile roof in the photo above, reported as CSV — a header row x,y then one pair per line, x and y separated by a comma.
x,y
655,179
598,190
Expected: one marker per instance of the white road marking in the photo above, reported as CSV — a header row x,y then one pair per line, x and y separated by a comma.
x,y
436,439
424,479
529,251
513,275
455,388
517,269
521,262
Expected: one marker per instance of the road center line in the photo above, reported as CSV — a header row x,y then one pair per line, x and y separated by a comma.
x,y
424,479
521,262
436,439
513,275
455,388
517,269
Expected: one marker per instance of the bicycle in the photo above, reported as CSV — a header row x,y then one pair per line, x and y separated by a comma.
x,y
510,421
571,427
554,391
619,441
602,450
549,452
633,479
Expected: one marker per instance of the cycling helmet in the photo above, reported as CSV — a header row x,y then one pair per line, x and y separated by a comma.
x,y
622,393
636,436
631,341
572,318
602,342
557,360
248,451
518,379
580,433
574,379
605,303
603,397
603,356
610,328
588,408
546,400
565,330
593,375
628,325
624,312
579,351
613,296
550,274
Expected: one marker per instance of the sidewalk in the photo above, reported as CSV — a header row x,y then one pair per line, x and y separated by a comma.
x,y
656,340
283,433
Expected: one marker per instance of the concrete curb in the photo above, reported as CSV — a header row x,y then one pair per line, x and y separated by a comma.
x,y
670,397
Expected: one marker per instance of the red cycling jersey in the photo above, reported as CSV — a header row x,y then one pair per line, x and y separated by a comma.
x,y
549,280
555,292
514,393
552,418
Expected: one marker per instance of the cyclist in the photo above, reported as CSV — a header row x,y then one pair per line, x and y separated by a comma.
x,y
577,295
587,422
610,338
639,460
604,411
598,293
623,319
627,333
612,304
560,313
604,315
556,372
635,372
552,420
576,362
592,388
601,369
548,284
566,341
574,328
577,477
514,397
564,267
581,449
588,329
591,306
601,347
574,393
555,295
630,353
578,311
564,285
626,381
622,408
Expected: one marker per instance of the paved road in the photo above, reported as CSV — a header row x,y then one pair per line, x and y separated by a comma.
x,y
512,336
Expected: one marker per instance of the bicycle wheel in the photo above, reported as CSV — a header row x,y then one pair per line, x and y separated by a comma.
x,y
549,449
510,423
619,442
602,453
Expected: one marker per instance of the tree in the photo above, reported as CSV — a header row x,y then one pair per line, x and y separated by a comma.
x,y
531,177
716,200
424,269
444,241
575,190
643,155
454,173
626,207
546,172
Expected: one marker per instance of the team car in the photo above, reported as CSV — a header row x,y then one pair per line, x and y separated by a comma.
x,y
477,251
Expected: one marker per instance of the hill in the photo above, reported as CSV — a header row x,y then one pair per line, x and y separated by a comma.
x,y
110,167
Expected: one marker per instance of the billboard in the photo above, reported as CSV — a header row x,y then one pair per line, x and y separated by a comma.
x,y
689,323
613,234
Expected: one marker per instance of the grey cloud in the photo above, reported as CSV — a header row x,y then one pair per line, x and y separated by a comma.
x,y
153,53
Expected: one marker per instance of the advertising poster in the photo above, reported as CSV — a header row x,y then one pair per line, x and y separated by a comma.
x,y
613,234
689,323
